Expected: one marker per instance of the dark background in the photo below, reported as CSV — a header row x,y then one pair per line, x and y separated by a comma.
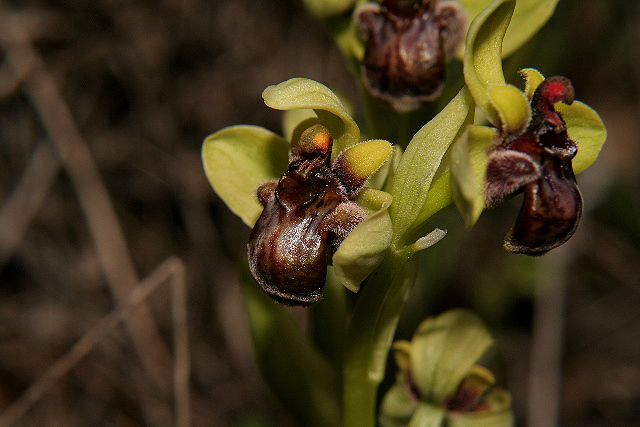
x,y
145,82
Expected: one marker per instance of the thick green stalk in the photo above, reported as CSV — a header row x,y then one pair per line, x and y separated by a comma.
x,y
370,333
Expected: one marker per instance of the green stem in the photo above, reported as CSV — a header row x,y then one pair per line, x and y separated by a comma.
x,y
373,324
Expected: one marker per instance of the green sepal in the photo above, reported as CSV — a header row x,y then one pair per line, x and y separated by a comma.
x,y
237,160
468,163
482,65
586,128
299,93
444,349
420,161
364,248
304,382
528,17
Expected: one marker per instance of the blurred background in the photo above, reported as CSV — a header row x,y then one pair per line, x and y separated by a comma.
x,y
103,109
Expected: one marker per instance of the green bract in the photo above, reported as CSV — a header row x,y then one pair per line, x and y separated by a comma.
x,y
420,161
529,16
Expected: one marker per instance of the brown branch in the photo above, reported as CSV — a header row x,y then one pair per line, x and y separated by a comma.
x,y
94,200
172,269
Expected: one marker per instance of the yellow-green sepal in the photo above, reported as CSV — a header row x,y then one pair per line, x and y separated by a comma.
x,y
586,128
482,66
237,160
468,163
300,93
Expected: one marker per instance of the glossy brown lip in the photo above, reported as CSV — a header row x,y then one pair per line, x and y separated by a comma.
x,y
307,213
538,163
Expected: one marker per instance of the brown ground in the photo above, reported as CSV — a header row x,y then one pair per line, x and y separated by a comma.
x,y
103,109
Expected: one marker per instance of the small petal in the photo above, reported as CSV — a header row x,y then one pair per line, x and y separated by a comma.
x,y
364,248
532,79
512,107
402,355
357,163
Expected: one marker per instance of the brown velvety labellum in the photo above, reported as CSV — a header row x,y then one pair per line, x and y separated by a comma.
x,y
550,213
288,245
307,213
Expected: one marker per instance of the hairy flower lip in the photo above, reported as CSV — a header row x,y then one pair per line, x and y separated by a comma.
x,y
308,213
538,163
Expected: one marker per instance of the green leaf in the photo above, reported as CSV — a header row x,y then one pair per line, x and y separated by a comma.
x,y
586,128
302,380
444,349
483,55
364,248
237,160
299,93
420,161
529,16
468,165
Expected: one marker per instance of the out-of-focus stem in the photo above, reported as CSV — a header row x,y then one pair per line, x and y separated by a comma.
x,y
370,333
